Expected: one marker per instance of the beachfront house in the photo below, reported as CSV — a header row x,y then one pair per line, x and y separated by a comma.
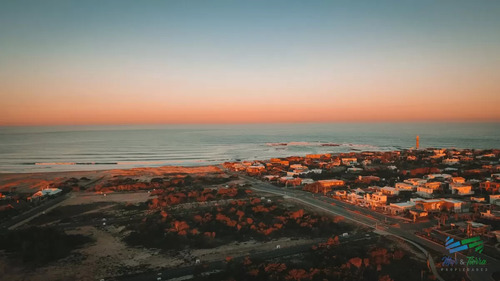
x,y
44,193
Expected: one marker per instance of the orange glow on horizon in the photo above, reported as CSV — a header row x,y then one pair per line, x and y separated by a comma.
x,y
88,114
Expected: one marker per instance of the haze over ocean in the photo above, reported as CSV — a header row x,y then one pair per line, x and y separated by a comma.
x,y
65,148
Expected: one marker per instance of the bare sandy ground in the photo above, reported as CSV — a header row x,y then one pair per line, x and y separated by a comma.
x,y
31,182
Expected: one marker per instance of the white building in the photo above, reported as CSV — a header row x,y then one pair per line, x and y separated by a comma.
x,y
46,192
399,208
389,190
307,181
375,199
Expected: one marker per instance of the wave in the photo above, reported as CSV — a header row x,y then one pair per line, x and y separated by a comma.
x,y
69,163
301,143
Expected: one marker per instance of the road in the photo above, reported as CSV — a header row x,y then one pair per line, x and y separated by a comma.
x,y
45,207
34,212
383,224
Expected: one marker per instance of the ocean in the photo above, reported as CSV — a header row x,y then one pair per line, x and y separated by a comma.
x,y
69,148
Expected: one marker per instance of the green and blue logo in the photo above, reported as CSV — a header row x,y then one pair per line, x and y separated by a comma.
x,y
470,243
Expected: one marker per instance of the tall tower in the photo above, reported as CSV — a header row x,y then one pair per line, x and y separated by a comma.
x,y
418,141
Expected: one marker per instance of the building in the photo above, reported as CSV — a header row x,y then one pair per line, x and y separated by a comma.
x,y
438,176
451,161
341,193
368,179
404,186
354,170
270,177
476,228
318,156
307,181
478,199
415,181
416,213
256,169
455,206
490,186
298,168
354,198
457,180
349,161
491,215
47,192
433,185
366,162
376,199
290,181
425,191
461,189
400,208
495,199
330,183
428,205
391,191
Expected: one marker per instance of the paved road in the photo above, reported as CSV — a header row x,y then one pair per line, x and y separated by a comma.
x,y
366,217
34,212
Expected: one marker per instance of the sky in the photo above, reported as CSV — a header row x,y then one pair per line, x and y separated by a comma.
x,y
161,62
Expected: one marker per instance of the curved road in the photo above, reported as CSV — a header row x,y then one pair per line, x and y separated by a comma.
x,y
380,222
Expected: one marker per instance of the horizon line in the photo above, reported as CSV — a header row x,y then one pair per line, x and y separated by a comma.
x,y
252,123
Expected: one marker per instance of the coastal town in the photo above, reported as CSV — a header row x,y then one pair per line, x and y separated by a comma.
x,y
379,210
454,191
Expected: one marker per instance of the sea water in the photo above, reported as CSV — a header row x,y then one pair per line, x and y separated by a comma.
x,y
65,148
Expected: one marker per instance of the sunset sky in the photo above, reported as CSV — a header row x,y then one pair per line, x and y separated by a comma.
x,y
134,62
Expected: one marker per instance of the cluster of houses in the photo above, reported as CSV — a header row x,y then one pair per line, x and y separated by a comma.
x,y
414,183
